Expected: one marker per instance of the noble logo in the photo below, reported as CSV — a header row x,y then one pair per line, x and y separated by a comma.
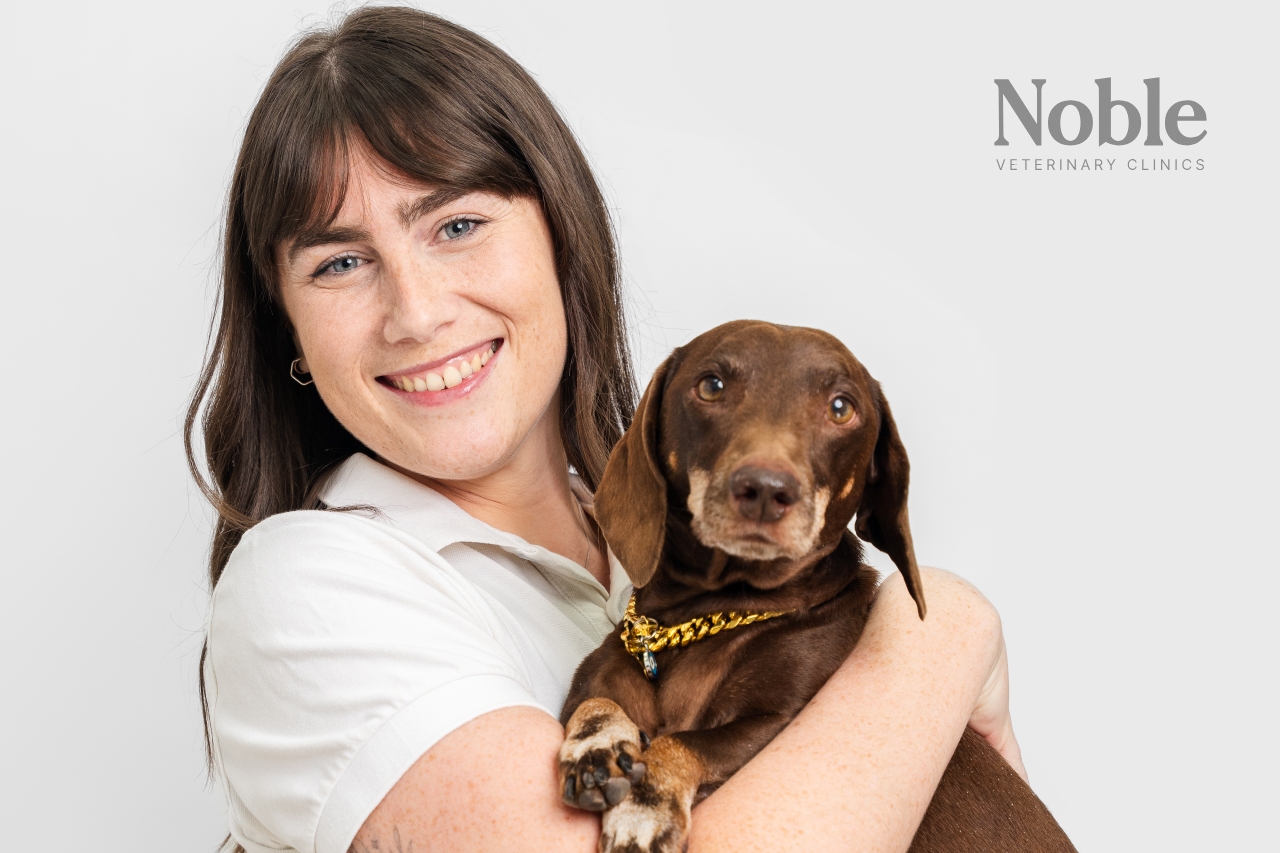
x,y
1182,124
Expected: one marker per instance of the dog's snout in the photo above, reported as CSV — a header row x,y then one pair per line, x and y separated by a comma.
x,y
763,494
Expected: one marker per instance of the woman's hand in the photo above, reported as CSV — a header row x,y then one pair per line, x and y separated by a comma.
x,y
990,716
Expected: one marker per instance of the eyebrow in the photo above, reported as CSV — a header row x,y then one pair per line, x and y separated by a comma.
x,y
432,201
827,375
310,239
410,212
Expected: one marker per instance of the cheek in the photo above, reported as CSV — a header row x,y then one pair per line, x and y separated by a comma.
x,y
546,310
847,477
336,331
532,303
847,488
557,349
676,466
334,345
534,289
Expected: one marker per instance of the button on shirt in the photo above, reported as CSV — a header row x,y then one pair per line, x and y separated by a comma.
x,y
344,644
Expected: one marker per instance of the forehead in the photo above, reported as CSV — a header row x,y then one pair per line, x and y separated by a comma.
x,y
745,350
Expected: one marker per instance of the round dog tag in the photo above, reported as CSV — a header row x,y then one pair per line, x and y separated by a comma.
x,y
650,663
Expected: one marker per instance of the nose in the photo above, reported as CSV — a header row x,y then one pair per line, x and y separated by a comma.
x,y
417,300
763,494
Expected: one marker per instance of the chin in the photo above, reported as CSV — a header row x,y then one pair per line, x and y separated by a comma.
x,y
461,454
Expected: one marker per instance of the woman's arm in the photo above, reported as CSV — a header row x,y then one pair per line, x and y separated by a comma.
x,y
487,786
859,764
857,768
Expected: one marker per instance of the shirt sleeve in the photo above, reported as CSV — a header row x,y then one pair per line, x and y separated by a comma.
x,y
339,652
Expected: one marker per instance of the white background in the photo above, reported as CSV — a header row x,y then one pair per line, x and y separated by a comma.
x,y
1081,363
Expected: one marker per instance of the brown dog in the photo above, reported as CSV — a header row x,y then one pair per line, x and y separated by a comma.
x,y
728,502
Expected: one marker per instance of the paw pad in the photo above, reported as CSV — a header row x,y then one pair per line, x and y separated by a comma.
x,y
601,778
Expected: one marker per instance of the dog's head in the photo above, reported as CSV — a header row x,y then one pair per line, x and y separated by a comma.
x,y
771,438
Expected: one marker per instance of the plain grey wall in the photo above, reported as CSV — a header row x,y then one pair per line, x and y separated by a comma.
x,y
1082,363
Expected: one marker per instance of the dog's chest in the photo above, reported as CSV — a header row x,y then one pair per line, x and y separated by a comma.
x,y
707,684
770,668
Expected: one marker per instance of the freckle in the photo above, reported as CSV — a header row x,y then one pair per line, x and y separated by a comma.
x,y
848,487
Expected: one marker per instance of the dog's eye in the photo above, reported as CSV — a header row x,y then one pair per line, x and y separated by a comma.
x,y
840,410
711,388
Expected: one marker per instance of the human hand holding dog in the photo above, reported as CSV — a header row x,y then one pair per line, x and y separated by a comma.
x,y
990,716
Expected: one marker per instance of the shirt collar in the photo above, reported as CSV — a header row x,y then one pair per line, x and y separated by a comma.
x,y
436,521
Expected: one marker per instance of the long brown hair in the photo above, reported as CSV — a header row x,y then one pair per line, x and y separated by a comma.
x,y
439,105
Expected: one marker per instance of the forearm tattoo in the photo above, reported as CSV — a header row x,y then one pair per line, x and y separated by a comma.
x,y
373,845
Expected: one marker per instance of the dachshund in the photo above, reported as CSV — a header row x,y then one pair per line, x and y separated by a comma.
x,y
728,501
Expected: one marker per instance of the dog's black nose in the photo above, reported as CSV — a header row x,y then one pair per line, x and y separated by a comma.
x,y
762,494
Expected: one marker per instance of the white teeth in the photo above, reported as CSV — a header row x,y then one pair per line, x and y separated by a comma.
x,y
450,376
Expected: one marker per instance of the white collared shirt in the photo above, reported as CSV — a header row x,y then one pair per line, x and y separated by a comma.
x,y
343,645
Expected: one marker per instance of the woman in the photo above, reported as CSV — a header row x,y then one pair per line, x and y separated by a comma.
x,y
419,369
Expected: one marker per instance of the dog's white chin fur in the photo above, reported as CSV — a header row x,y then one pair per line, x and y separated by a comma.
x,y
714,524
746,549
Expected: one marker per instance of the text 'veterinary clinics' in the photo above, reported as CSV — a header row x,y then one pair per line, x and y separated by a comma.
x,y
1097,164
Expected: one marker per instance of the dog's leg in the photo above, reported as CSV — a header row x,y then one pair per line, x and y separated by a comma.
x,y
981,804
723,750
682,769
655,818
600,758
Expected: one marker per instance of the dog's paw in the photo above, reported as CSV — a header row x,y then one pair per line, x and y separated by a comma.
x,y
648,821
655,817
600,759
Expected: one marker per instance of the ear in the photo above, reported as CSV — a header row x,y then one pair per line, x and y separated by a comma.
x,y
882,512
631,501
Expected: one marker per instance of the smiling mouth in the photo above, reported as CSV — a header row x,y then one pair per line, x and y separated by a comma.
x,y
447,374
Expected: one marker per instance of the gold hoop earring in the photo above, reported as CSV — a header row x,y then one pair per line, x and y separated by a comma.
x,y
293,373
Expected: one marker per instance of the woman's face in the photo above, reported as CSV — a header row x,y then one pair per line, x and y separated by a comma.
x,y
431,322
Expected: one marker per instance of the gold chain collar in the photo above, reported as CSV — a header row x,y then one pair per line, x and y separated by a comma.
x,y
643,636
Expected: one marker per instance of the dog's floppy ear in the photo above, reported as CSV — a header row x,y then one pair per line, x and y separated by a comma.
x,y
882,512
631,501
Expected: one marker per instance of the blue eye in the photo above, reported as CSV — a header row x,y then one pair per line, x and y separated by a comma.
x,y
338,266
458,228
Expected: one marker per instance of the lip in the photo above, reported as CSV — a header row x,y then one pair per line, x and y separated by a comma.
x,y
445,396
750,537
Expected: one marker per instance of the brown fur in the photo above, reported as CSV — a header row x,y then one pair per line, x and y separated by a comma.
x,y
749,509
